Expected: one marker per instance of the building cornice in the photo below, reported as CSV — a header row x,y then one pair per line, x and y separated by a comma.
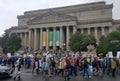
x,y
102,20
18,28
71,6
77,8
116,21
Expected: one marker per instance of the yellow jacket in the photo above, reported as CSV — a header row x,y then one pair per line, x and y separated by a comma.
x,y
113,64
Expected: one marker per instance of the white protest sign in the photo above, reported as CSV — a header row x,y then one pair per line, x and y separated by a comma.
x,y
110,54
8,54
118,54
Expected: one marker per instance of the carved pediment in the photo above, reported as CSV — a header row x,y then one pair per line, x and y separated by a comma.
x,y
51,17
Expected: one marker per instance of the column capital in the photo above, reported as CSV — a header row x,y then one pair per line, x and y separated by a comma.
x,y
35,29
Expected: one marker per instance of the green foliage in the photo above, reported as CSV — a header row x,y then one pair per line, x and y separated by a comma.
x,y
0,41
79,42
76,42
110,43
100,48
118,29
11,44
87,40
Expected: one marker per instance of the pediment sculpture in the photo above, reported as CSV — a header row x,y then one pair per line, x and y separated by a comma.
x,y
51,17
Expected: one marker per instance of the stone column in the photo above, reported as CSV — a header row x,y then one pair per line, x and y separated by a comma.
x,y
81,30
35,39
110,29
47,30
61,37
67,40
32,39
88,31
25,40
40,38
96,36
103,30
21,35
74,29
16,34
54,37
21,39
29,40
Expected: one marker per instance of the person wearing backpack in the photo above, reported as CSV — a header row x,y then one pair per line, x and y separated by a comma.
x,y
46,67
85,68
37,66
17,72
113,67
67,70
34,65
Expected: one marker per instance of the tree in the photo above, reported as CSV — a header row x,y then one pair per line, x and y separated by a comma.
x,y
100,46
11,44
5,40
76,41
79,42
87,40
0,41
112,42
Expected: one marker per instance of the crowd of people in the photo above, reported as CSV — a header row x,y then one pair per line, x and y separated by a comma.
x,y
66,64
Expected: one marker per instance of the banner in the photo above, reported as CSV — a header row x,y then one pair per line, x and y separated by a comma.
x,y
57,38
44,38
50,38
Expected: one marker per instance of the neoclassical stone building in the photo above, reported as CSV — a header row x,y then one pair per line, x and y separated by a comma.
x,y
52,28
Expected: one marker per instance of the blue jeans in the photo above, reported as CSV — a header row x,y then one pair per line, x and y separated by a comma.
x,y
53,70
67,73
85,71
80,68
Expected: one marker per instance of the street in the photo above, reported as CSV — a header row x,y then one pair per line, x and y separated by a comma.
x,y
28,76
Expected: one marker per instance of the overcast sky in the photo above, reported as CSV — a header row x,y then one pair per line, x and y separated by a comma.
x,y
9,9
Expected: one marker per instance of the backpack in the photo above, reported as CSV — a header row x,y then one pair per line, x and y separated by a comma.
x,y
67,64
